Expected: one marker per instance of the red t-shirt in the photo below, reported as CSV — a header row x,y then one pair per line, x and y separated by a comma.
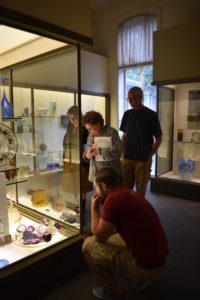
x,y
138,224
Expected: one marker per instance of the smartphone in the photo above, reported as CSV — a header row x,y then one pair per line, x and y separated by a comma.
x,y
86,147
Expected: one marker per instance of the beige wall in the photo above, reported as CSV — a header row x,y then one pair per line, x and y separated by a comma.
x,y
176,52
71,15
105,22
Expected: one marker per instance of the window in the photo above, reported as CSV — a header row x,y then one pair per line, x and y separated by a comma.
x,y
135,61
136,76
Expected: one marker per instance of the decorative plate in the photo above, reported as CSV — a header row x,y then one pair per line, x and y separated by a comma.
x,y
8,144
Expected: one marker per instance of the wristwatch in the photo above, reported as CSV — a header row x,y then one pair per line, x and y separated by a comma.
x,y
8,144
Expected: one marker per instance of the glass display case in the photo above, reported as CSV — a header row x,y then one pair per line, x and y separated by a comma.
x,y
178,158
39,210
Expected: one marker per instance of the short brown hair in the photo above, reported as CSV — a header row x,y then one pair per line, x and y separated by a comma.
x,y
109,177
92,117
136,90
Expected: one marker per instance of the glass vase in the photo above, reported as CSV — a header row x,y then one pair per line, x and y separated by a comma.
x,y
6,107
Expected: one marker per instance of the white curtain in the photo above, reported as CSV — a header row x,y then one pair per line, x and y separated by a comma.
x,y
135,40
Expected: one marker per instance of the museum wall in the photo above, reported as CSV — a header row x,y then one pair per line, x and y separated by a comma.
x,y
104,30
71,15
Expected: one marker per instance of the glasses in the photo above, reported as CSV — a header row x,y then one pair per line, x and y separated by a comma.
x,y
133,97
129,99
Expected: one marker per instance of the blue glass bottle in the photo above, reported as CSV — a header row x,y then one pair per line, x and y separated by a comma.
x,y
6,108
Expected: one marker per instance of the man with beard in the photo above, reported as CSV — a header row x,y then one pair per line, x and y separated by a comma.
x,y
128,237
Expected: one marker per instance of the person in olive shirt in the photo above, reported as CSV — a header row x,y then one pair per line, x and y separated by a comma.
x,y
142,136
71,153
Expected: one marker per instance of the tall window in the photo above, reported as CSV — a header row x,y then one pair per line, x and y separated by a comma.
x,y
135,61
135,58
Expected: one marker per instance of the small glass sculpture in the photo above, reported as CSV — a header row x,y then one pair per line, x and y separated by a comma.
x,y
6,108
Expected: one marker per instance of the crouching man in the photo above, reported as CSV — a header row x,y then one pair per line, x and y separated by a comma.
x,y
128,237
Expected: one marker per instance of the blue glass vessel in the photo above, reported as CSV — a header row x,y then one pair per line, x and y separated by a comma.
x,y
6,107
186,168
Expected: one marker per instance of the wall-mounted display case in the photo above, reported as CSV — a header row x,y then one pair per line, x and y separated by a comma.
x,y
41,212
178,158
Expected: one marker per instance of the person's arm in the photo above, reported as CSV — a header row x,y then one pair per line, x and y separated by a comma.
x,y
100,228
157,133
123,128
123,144
123,138
156,145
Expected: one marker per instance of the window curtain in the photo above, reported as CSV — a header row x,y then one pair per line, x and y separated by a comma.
x,y
135,40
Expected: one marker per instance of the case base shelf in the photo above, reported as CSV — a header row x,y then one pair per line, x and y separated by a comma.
x,y
171,175
175,188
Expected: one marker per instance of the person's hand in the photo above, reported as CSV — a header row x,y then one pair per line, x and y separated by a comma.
x,y
95,149
91,152
95,201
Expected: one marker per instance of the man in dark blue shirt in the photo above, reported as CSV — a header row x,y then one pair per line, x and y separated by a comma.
x,y
141,138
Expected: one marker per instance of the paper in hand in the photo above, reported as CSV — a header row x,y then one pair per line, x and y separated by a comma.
x,y
102,142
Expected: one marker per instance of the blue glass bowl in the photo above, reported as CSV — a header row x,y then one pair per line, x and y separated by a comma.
x,y
52,166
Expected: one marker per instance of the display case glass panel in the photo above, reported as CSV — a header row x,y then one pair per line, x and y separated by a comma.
x,y
180,150
43,180
94,102
42,189
43,165
166,117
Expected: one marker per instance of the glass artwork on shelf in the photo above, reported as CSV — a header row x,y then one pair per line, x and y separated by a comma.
x,y
186,168
6,107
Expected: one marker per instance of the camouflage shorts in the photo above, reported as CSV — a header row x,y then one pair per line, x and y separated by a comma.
x,y
115,256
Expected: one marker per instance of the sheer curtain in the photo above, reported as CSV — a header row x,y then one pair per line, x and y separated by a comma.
x,y
135,40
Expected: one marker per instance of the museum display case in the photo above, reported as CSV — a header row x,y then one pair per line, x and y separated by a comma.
x,y
39,208
40,212
178,158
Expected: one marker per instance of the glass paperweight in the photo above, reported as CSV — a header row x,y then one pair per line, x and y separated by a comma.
x,y
6,107
186,168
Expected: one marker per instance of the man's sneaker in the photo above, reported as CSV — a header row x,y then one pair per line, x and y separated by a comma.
x,y
104,293
140,285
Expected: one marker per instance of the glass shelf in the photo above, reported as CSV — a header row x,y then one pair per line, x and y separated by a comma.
x,y
47,117
39,153
11,119
187,142
16,180
20,133
45,172
8,168
49,152
27,154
